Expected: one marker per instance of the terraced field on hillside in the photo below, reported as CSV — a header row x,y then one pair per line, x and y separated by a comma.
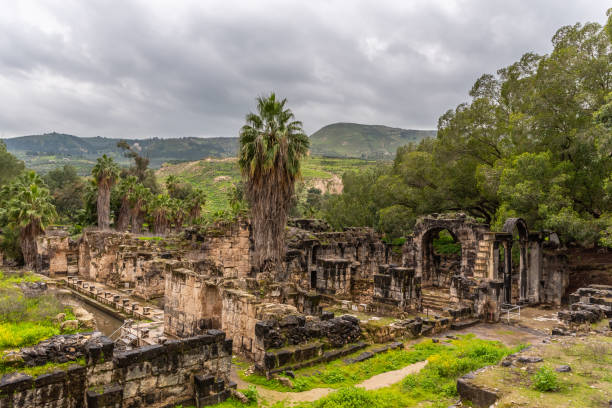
x,y
217,176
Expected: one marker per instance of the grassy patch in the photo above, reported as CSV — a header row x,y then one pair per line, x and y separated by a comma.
x,y
24,321
43,369
588,384
446,361
433,386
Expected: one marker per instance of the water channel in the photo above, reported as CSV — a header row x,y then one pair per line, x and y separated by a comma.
x,y
105,323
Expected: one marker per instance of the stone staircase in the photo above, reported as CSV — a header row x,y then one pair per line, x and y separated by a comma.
x,y
437,300
483,256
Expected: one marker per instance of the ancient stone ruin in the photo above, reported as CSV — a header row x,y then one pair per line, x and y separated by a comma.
x,y
304,314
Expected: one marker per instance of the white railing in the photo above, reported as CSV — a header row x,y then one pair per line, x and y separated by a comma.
x,y
511,310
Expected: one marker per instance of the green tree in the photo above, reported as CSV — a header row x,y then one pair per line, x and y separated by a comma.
x,y
10,167
67,190
272,144
27,206
106,173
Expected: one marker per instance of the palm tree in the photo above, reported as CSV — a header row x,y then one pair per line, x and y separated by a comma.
x,y
126,186
138,197
160,209
28,206
272,144
195,201
106,173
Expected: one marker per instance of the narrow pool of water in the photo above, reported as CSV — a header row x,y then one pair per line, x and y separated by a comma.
x,y
105,323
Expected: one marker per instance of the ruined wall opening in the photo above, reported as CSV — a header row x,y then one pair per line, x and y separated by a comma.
x,y
212,304
515,261
441,257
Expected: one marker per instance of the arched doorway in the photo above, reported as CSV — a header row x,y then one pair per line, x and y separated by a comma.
x,y
515,261
441,256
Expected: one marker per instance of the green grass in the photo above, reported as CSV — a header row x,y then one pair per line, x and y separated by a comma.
x,y
42,369
450,360
588,384
433,386
24,321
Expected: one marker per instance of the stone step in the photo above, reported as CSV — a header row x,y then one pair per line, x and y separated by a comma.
x,y
464,324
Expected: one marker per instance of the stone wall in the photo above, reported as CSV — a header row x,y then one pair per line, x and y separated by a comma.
x,y
397,286
192,303
184,371
56,253
223,246
125,260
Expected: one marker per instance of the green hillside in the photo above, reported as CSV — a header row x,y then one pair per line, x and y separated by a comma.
x,y
363,141
217,176
346,140
45,152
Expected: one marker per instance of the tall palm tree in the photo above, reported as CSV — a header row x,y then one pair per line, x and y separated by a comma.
x,y
160,210
137,197
272,143
195,200
28,206
125,187
106,173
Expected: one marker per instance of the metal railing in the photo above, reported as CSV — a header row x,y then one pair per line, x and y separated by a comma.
x,y
511,310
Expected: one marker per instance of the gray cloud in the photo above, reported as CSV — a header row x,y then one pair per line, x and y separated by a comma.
x,y
193,68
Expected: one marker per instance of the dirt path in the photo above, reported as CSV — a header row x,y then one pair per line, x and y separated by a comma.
x,y
373,383
391,377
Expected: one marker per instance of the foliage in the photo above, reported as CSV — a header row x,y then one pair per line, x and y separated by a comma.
x,y
67,190
272,145
434,385
37,371
10,167
26,320
535,142
545,380
105,173
445,244
26,207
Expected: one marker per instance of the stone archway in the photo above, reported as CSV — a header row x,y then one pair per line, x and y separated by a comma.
x,y
464,230
510,226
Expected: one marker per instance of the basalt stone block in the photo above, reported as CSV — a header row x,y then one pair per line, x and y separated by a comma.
x,y
327,315
50,378
15,382
269,361
290,321
263,327
218,385
284,357
218,335
351,319
135,356
110,396
227,346
203,384
480,397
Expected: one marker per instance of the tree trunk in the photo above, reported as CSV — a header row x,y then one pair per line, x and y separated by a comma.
x,y
137,220
103,206
269,197
123,221
27,242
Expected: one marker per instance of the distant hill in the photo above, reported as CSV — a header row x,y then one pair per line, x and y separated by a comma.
x,y
363,141
343,140
44,152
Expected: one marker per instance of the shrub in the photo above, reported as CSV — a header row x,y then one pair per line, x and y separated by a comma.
x,y
251,394
545,380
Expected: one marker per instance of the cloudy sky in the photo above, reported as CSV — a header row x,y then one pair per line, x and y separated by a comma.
x,y
193,68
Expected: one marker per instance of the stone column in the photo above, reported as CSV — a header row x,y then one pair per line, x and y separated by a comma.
x,y
507,272
523,271
534,271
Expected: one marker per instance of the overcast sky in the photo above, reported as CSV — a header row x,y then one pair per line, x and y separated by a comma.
x,y
193,68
